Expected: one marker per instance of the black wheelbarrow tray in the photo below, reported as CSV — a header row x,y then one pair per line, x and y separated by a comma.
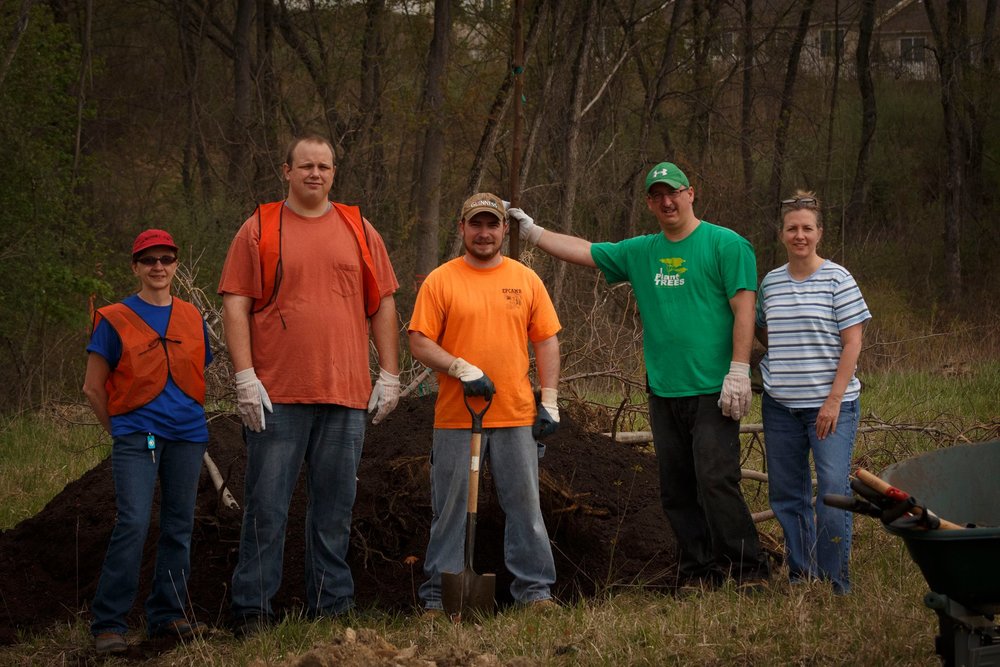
x,y
962,567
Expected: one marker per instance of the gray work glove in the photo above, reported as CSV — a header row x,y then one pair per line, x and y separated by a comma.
x,y
251,399
547,419
736,395
530,232
385,395
474,380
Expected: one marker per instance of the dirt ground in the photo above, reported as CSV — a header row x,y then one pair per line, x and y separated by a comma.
x,y
600,502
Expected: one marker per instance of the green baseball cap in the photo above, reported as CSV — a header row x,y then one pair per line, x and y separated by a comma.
x,y
669,173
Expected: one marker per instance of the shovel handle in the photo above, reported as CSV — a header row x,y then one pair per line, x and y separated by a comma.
x,y
477,417
881,486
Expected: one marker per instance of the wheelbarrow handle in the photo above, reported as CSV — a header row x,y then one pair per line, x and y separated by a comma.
x,y
892,493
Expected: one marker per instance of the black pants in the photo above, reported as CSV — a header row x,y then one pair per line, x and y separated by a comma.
x,y
698,452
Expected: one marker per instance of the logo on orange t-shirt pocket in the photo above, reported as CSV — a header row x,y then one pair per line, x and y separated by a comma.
x,y
512,295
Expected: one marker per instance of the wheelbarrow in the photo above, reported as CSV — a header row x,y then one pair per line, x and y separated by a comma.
x,y
962,567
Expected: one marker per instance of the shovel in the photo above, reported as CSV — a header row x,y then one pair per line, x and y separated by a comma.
x,y
468,591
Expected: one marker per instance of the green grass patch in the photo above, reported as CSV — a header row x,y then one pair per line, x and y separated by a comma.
x,y
39,455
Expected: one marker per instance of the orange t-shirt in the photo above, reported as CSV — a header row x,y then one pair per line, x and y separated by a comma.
x,y
310,345
487,317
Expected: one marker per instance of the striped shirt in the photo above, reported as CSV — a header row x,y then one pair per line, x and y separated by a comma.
x,y
804,319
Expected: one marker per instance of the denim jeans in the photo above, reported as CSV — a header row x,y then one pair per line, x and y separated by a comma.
x,y
698,453
329,440
513,456
817,541
178,466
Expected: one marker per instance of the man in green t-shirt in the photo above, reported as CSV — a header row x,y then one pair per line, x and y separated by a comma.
x,y
694,283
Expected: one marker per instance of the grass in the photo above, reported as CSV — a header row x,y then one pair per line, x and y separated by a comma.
x,y
882,622
39,455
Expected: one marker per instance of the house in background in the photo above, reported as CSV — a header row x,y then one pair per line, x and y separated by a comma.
x,y
903,39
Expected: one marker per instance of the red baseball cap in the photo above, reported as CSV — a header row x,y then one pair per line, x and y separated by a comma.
x,y
151,238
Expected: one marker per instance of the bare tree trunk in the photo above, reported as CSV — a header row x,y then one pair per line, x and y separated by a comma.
x,y
14,40
373,152
787,96
237,175
655,92
869,118
746,100
834,94
574,118
268,182
948,67
501,102
702,95
428,194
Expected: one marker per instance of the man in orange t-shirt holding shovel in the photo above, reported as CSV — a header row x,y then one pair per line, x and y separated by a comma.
x,y
473,319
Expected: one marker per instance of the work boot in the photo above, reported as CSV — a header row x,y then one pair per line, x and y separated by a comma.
x,y
110,643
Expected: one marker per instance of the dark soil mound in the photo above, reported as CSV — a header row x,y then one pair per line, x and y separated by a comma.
x,y
600,501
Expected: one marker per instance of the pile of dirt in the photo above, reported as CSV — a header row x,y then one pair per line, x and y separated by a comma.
x,y
600,500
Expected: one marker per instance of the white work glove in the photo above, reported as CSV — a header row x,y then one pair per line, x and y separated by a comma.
x,y
251,399
736,395
547,419
474,381
385,395
530,232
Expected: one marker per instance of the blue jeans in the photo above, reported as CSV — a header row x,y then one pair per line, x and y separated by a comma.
x,y
513,456
178,466
329,440
698,453
817,541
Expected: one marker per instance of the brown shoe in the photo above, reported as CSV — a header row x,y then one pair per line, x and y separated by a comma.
x,y
180,629
544,605
110,643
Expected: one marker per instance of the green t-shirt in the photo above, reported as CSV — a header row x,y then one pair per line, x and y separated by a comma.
x,y
683,291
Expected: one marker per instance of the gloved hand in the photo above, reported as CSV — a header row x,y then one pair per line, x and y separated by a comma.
x,y
547,419
530,232
736,396
385,395
474,381
251,399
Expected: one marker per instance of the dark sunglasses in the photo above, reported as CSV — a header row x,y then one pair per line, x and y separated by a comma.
x,y
165,260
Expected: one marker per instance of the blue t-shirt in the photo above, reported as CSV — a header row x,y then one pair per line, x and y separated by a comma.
x,y
804,319
173,415
683,290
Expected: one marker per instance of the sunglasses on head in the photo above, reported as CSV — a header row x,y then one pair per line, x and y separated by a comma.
x,y
165,260
799,201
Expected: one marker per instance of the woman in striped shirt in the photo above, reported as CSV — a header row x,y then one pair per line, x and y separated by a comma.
x,y
810,315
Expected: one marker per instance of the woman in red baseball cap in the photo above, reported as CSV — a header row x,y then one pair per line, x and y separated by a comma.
x,y
146,383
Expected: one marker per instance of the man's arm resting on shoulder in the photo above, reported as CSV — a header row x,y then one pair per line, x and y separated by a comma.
x,y
562,246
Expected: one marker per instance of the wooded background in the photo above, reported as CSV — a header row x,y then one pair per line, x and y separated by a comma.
x,y
121,115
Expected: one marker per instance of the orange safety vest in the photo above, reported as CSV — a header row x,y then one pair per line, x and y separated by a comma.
x,y
269,218
147,359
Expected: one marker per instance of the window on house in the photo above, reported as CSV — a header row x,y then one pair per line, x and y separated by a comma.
x,y
829,42
912,49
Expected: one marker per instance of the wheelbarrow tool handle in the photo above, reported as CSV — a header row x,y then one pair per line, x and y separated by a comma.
x,y
852,504
905,502
869,494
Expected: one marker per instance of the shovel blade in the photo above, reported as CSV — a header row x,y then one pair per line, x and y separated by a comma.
x,y
468,593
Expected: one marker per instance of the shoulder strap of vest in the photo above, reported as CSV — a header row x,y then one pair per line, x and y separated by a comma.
x,y
269,223
372,294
